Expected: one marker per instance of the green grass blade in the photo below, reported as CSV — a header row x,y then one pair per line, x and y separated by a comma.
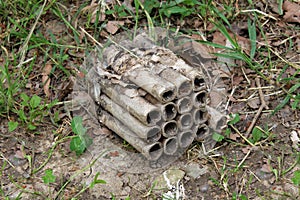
x,y
252,36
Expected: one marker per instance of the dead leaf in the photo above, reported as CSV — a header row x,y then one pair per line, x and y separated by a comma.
x,y
292,12
46,79
254,103
243,42
266,168
236,80
295,139
234,136
113,26
114,154
246,149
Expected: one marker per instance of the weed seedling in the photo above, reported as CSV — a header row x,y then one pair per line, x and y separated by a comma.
x,y
81,141
31,112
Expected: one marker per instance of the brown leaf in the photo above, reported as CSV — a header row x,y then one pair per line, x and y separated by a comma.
x,y
266,168
253,103
236,80
113,26
114,154
292,12
234,136
46,79
243,42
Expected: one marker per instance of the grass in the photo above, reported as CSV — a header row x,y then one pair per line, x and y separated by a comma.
x,y
25,47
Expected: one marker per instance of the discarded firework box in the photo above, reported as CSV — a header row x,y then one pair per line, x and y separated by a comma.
x,y
151,98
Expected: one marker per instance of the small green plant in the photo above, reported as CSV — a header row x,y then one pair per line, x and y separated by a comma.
x,y
296,178
121,11
49,177
31,112
238,196
81,141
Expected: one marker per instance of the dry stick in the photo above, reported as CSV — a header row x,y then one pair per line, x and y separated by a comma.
x,y
25,45
245,157
92,38
262,106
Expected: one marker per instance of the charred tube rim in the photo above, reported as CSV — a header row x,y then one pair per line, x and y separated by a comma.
x,y
199,98
170,145
185,139
169,128
169,111
201,131
184,105
185,121
200,116
153,151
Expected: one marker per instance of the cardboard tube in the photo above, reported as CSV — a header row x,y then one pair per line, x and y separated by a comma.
x,y
184,105
170,145
169,128
150,134
199,98
197,80
201,131
168,110
185,138
159,88
200,115
150,151
183,84
185,121
196,76
143,110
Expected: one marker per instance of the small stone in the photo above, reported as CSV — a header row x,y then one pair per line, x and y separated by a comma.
x,y
193,170
204,188
169,178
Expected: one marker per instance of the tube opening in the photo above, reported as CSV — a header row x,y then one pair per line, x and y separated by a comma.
x,y
170,128
184,105
199,83
170,146
168,95
184,89
186,139
170,111
155,151
154,134
153,117
200,116
200,98
201,132
186,121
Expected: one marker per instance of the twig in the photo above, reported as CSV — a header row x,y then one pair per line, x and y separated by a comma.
x,y
260,12
262,106
238,132
285,61
94,40
4,158
25,45
245,157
